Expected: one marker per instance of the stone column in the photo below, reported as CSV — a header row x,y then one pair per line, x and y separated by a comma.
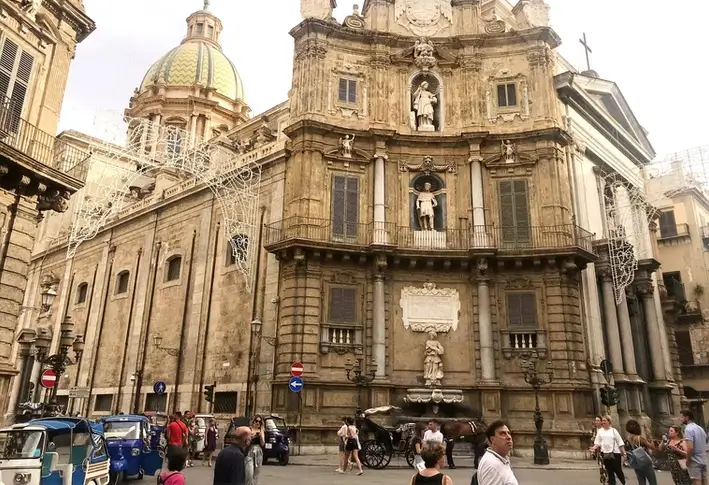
x,y
647,292
380,235
379,326
612,330
476,194
626,338
487,349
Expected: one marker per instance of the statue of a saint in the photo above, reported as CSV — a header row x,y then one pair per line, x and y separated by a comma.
x,y
32,7
432,364
347,144
423,106
425,203
509,151
423,47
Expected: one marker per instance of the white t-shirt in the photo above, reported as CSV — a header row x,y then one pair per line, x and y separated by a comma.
x,y
494,469
433,436
608,440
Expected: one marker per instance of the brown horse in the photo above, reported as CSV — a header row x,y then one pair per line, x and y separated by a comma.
x,y
472,432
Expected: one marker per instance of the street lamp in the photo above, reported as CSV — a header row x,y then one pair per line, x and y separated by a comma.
x,y
534,377
48,295
157,341
355,374
61,360
256,326
254,351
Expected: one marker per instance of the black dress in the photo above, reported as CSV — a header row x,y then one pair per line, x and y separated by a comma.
x,y
436,479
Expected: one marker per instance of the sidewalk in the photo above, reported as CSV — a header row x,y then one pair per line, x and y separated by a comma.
x,y
460,462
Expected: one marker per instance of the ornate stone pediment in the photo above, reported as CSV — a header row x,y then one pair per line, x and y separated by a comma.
x,y
520,283
509,156
429,308
424,17
427,166
425,55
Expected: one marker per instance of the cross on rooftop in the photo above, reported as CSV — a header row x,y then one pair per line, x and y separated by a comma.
x,y
586,47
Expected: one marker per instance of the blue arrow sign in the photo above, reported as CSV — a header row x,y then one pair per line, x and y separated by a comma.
x,y
159,387
295,384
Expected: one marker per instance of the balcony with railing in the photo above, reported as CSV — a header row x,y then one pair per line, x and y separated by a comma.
x,y
31,151
512,241
673,234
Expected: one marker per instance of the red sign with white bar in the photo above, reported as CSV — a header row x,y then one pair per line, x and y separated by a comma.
x,y
296,370
49,379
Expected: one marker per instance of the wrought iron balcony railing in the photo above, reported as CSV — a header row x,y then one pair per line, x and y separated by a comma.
x,y
504,239
19,134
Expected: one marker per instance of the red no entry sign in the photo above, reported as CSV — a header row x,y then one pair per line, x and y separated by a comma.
x,y
49,379
296,370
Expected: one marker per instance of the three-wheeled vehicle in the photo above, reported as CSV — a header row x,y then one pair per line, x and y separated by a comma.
x,y
53,451
277,444
133,451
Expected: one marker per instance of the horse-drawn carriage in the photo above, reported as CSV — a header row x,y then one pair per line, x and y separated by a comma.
x,y
385,444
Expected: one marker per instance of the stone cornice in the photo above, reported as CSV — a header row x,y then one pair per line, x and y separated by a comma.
x,y
77,18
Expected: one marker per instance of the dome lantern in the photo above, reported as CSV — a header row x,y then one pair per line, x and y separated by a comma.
x,y
203,25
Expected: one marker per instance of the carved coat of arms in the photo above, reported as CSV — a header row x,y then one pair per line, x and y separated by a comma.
x,y
424,16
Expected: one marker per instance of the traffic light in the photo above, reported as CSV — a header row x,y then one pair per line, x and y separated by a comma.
x,y
613,396
209,392
604,396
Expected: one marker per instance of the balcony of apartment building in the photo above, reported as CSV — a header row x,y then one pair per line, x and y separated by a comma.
x,y
690,311
519,241
671,233
36,163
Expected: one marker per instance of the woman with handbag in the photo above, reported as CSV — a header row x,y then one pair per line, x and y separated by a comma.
x,y
609,444
673,445
352,444
640,454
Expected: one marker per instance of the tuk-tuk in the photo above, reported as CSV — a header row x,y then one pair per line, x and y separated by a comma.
x,y
53,451
277,444
133,451
202,421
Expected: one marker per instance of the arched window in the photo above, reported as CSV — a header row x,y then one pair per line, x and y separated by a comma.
x,y
82,292
174,139
237,250
174,267
122,282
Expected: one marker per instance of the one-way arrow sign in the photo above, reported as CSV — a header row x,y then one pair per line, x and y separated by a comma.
x,y
295,384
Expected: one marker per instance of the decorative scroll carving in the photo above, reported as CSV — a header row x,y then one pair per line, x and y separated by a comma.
x,y
482,268
520,283
429,308
427,166
354,21
645,288
343,278
605,273
423,17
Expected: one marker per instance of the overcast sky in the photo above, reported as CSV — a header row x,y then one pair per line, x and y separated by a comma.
x,y
652,51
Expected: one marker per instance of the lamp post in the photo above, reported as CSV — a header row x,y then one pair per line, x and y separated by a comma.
x,y
255,350
157,341
536,378
61,360
355,374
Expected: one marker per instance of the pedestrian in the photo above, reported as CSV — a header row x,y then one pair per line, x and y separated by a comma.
x,y
352,444
173,433
640,449
185,431
433,455
598,456
611,448
494,467
673,445
341,433
695,442
258,441
175,465
416,446
210,442
230,466
433,433
194,437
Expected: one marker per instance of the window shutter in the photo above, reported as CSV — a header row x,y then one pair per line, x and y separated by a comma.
x,y
511,95
507,211
8,56
343,305
521,203
501,96
339,186
352,206
684,347
342,94
521,311
668,225
24,69
352,92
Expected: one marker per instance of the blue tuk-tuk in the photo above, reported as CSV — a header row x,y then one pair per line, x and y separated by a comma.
x,y
131,446
53,451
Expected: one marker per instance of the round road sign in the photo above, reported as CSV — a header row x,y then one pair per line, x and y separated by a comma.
x,y
49,379
296,370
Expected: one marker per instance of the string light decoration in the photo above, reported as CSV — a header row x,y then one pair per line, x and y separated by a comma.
x,y
126,156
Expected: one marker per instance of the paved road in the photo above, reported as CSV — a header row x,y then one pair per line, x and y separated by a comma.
x,y
321,475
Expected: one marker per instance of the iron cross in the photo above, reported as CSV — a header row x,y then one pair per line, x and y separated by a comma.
x,y
588,50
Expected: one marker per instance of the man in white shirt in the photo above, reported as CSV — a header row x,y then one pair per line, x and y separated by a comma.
x,y
432,433
494,467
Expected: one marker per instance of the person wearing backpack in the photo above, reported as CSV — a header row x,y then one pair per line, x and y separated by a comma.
x,y
640,454
175,464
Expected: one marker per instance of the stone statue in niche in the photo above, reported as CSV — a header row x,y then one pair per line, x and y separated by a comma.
x,y
509,151
425,203
346,145
433,364
423,103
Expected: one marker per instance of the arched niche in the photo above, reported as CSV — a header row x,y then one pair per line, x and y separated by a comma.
x,y
438,189
431,83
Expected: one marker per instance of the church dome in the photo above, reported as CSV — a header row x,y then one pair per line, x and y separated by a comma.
x,y
198,60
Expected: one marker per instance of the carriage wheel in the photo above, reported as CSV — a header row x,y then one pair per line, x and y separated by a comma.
x,y
364,454
410,455
387,457
375,455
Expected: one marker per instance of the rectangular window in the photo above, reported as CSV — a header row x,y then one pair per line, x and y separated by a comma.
x,y
347,92
210,31
522,311
342,305
345,207
15,72
684,347
668,225
103,402
156,402
506,95
226,402
514,212
674,286
200,29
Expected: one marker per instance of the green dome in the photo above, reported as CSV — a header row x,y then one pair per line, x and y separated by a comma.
x,y
196,61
